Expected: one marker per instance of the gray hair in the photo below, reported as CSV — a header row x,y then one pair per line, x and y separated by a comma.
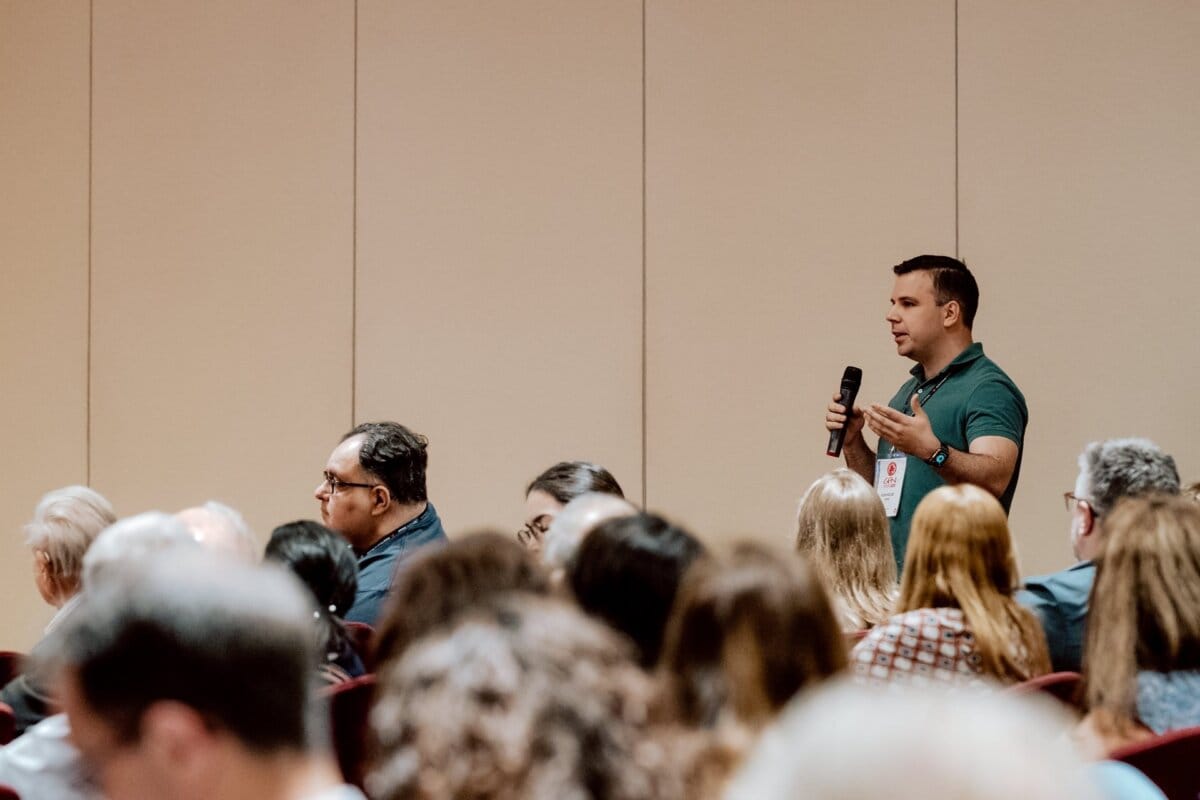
x,y
64,525
575,521
854,742
132,539
219,527
1119,468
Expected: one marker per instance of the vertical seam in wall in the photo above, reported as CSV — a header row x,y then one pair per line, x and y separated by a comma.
x,y
87,402
645,491
354,239
957,254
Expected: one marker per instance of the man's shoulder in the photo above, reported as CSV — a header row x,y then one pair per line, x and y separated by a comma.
x,y
1072,583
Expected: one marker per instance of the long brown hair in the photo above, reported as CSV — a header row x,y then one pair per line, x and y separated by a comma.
x,y
1145,603
745,636
960,555
842,530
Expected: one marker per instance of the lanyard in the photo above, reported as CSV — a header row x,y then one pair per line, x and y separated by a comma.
x,y
924,400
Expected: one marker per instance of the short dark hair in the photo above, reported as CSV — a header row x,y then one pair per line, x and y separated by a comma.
x,y
566,480
231,641
395,455
627,572
951,281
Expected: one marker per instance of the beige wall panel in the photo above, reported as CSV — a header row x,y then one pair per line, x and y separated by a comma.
x,y
795,152
499,240
1079,173
43,264
222,251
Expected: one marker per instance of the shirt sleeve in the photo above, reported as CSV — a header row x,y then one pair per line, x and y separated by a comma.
x,y
996,408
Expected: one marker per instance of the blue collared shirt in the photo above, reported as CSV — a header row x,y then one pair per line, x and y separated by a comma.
x,y
377,567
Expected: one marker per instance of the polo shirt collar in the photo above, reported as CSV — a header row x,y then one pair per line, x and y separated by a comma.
x,y
972,352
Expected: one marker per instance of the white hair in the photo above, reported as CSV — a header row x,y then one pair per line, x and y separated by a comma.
x,y
64,525
575,521
861,743
219,527
133,538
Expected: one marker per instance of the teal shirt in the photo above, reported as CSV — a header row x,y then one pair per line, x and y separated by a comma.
x,y
972,397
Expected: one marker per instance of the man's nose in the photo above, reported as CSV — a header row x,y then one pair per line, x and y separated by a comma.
x,y
320,492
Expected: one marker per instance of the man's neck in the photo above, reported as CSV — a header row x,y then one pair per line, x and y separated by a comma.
x,y
949,350
284,776
396,518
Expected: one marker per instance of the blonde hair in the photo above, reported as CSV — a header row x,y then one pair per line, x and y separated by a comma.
x,y
64,525
1147,593
842,530
960,555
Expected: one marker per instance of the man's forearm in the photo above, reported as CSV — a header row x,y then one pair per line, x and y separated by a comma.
x,y
860,458
986,471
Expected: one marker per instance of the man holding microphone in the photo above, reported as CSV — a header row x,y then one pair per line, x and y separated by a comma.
x,y
958,419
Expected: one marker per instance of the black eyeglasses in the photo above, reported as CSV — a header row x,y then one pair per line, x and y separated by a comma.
x,y
1070,500
333,482
531,532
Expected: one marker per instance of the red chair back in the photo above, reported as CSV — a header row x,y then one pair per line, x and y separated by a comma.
x,y
8,793
11,665
363,637
8,724
1063,686
349,704
1172,761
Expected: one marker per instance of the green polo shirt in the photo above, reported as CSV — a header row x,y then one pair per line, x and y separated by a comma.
x,y
972,397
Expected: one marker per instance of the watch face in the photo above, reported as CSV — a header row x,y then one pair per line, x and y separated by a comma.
x,y
940,458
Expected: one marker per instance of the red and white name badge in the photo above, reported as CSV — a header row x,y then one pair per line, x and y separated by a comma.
x,y
889,482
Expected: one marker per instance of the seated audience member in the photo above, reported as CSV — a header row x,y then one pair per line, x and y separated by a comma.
x,y
627,572
1193,490
219,527
374,495
843,532
576,521
325,564
745,636
1108,472
190,677
527,700
850,741
956,620
1142,665
554,488
62,529
439,584
43,763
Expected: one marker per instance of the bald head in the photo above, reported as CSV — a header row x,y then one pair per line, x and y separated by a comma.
x,y
222,529
576,520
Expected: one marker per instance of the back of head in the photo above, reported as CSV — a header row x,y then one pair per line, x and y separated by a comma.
x,y
566,480
396,456
526,699
321,559
64,525
131,539
575,521
438,584
232,642
1147,592
842,530
746,635
627,571
960,555
951,281
222,529
1119,468
857,743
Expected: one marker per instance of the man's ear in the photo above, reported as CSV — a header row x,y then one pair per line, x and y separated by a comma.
x,y
381,499
951,313
1088,527
178,742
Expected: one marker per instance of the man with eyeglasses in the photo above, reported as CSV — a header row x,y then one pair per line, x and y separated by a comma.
x,y
373,494
1109,471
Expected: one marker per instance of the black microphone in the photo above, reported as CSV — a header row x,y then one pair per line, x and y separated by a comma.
x,y
851,380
